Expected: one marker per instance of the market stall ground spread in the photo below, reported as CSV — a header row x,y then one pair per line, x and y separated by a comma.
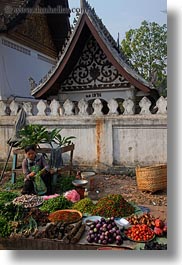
x,y
60,235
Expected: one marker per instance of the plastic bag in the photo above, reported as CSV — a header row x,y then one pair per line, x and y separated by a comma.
x,y
39,185
72,195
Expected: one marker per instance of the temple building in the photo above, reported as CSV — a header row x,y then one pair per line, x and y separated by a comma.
x,y
92,66
30,41
43,58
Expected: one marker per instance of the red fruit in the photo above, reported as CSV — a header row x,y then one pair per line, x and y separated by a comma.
x,y
158,231
165,229
159,223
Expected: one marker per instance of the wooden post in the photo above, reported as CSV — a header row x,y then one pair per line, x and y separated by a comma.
x,y
13,175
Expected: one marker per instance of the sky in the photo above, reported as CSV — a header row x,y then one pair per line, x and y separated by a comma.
x,y
119,16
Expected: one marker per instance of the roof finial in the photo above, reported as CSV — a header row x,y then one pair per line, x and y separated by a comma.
x,y
82,6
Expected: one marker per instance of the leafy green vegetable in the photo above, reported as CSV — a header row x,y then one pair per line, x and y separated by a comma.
x,y
64,183
5,227
84,206
54,204
11,211
7,196
14,186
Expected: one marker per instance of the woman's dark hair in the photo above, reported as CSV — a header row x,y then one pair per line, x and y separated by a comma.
x,y
30,147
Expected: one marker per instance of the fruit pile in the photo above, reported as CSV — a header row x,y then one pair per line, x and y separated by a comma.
x,y
145,218
160,228
104,231
139,233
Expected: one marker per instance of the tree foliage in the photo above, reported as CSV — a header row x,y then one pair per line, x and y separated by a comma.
x,y
146,50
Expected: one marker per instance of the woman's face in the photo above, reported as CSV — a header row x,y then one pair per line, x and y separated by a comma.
x,y
31,154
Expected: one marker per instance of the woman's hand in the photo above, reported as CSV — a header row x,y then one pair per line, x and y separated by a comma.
x,y
32,174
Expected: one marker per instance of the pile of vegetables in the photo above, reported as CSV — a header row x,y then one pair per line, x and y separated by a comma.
x,y
68,233
145,218
67,216
54,204
104,232
28,201
8,212
84,206
5,227
65,183
140,233
6,196
113,205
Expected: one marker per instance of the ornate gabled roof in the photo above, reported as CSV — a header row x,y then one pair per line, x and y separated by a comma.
x,y
89,21
10,12
111,43
11,16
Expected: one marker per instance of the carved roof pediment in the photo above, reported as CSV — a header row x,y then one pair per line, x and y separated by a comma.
x,y
93,71
107,68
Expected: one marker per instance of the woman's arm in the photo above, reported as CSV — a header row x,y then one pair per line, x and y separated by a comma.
x,y
28,174
45,165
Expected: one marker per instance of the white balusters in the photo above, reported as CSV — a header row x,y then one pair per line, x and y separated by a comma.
x,y
113,105
41,107
162,105
2,108
145,105
54,107
83,107
14,106
97,106
68,108
129,107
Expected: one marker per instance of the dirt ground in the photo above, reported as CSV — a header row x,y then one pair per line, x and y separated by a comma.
x,y
127,187
103,185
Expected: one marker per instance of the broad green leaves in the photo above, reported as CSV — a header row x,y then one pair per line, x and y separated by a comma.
x,y
35,134
146,50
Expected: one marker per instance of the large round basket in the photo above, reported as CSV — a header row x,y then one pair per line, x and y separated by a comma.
x,y
151,178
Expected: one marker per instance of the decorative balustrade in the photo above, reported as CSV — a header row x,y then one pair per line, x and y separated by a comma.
x,y
83,108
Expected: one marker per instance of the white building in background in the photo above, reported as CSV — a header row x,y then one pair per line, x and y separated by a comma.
x,y
29,44
20,66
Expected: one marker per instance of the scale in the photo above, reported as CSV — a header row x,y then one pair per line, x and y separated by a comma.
x,y
80,185
88,175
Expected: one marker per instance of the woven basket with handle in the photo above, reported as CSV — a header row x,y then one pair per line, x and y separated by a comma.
x,y
151,178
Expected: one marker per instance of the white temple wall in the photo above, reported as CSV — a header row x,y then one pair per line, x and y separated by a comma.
x,y
103,142
17,64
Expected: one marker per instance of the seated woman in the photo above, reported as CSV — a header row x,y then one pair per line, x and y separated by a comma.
x,y
32,160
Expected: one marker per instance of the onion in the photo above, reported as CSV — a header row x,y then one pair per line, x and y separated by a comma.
x,y
118,238
104,242
102,237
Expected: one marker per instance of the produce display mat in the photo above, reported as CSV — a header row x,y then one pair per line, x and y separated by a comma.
x,y
126,243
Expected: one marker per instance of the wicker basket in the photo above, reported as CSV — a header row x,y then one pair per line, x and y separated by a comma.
x,y
151,178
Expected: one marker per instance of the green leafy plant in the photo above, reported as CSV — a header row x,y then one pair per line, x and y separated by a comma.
x,y
63,140
54,204
5,227
146,51
36,134
9,186
32,134
52,135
